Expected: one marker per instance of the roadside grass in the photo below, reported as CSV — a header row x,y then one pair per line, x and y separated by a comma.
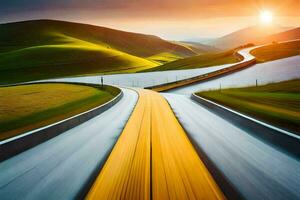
x,y
276,103
27,107
276,51
199,61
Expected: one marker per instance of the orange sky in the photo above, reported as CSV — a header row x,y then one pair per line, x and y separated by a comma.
x,y
171,19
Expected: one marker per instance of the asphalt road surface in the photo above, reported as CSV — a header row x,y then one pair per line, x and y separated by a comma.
x,y
269,72
148,79
154,159
145,79
256,169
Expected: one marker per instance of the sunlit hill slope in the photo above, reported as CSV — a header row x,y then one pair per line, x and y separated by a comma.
x,y
248,35
41,49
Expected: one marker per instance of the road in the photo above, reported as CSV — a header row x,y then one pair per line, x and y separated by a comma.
x,y
144,79
48,169
148,79
256,169
154,159
157,157
62,167
274,71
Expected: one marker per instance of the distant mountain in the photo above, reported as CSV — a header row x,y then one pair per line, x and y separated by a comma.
x,y
42,49
247,35
200,40
283,36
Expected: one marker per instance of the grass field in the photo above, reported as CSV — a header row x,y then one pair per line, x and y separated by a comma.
x,y
277,103
203,60
276,51
43,49
23,108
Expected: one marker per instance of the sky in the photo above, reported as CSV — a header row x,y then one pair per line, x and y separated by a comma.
x,y
169,19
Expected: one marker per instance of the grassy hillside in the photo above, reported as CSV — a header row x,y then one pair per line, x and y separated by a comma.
x,y
23,108
277,51
71,57
42,32
203,60
164,58
276,103
283,36
200,48
45,49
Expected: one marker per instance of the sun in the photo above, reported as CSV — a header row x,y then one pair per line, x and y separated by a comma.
x,y
266,17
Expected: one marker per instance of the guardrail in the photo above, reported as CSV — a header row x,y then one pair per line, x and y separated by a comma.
x,y
286,141
204,77
18,144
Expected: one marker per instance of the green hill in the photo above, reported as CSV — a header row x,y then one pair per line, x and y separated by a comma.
x,y
42,49
199,61
200,48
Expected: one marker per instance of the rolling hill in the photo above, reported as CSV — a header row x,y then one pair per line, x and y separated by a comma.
x,y
41,49
292,34
199,61
248,35
199,47
38,32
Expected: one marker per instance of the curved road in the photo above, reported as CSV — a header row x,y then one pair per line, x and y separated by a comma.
x,y
145,79
149,79
62,167
269,72
256,169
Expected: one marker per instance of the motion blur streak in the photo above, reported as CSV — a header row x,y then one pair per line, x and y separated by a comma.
x,y
256,169
154,150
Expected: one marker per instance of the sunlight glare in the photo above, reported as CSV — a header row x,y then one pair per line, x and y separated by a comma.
x,y
266,17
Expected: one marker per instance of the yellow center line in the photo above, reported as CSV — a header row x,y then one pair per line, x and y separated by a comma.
x,y
154,158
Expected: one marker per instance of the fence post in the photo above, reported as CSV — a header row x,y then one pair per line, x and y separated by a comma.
x,y
101,79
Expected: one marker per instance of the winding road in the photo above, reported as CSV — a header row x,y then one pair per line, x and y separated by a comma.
x,y
255,168
144,151
273,71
